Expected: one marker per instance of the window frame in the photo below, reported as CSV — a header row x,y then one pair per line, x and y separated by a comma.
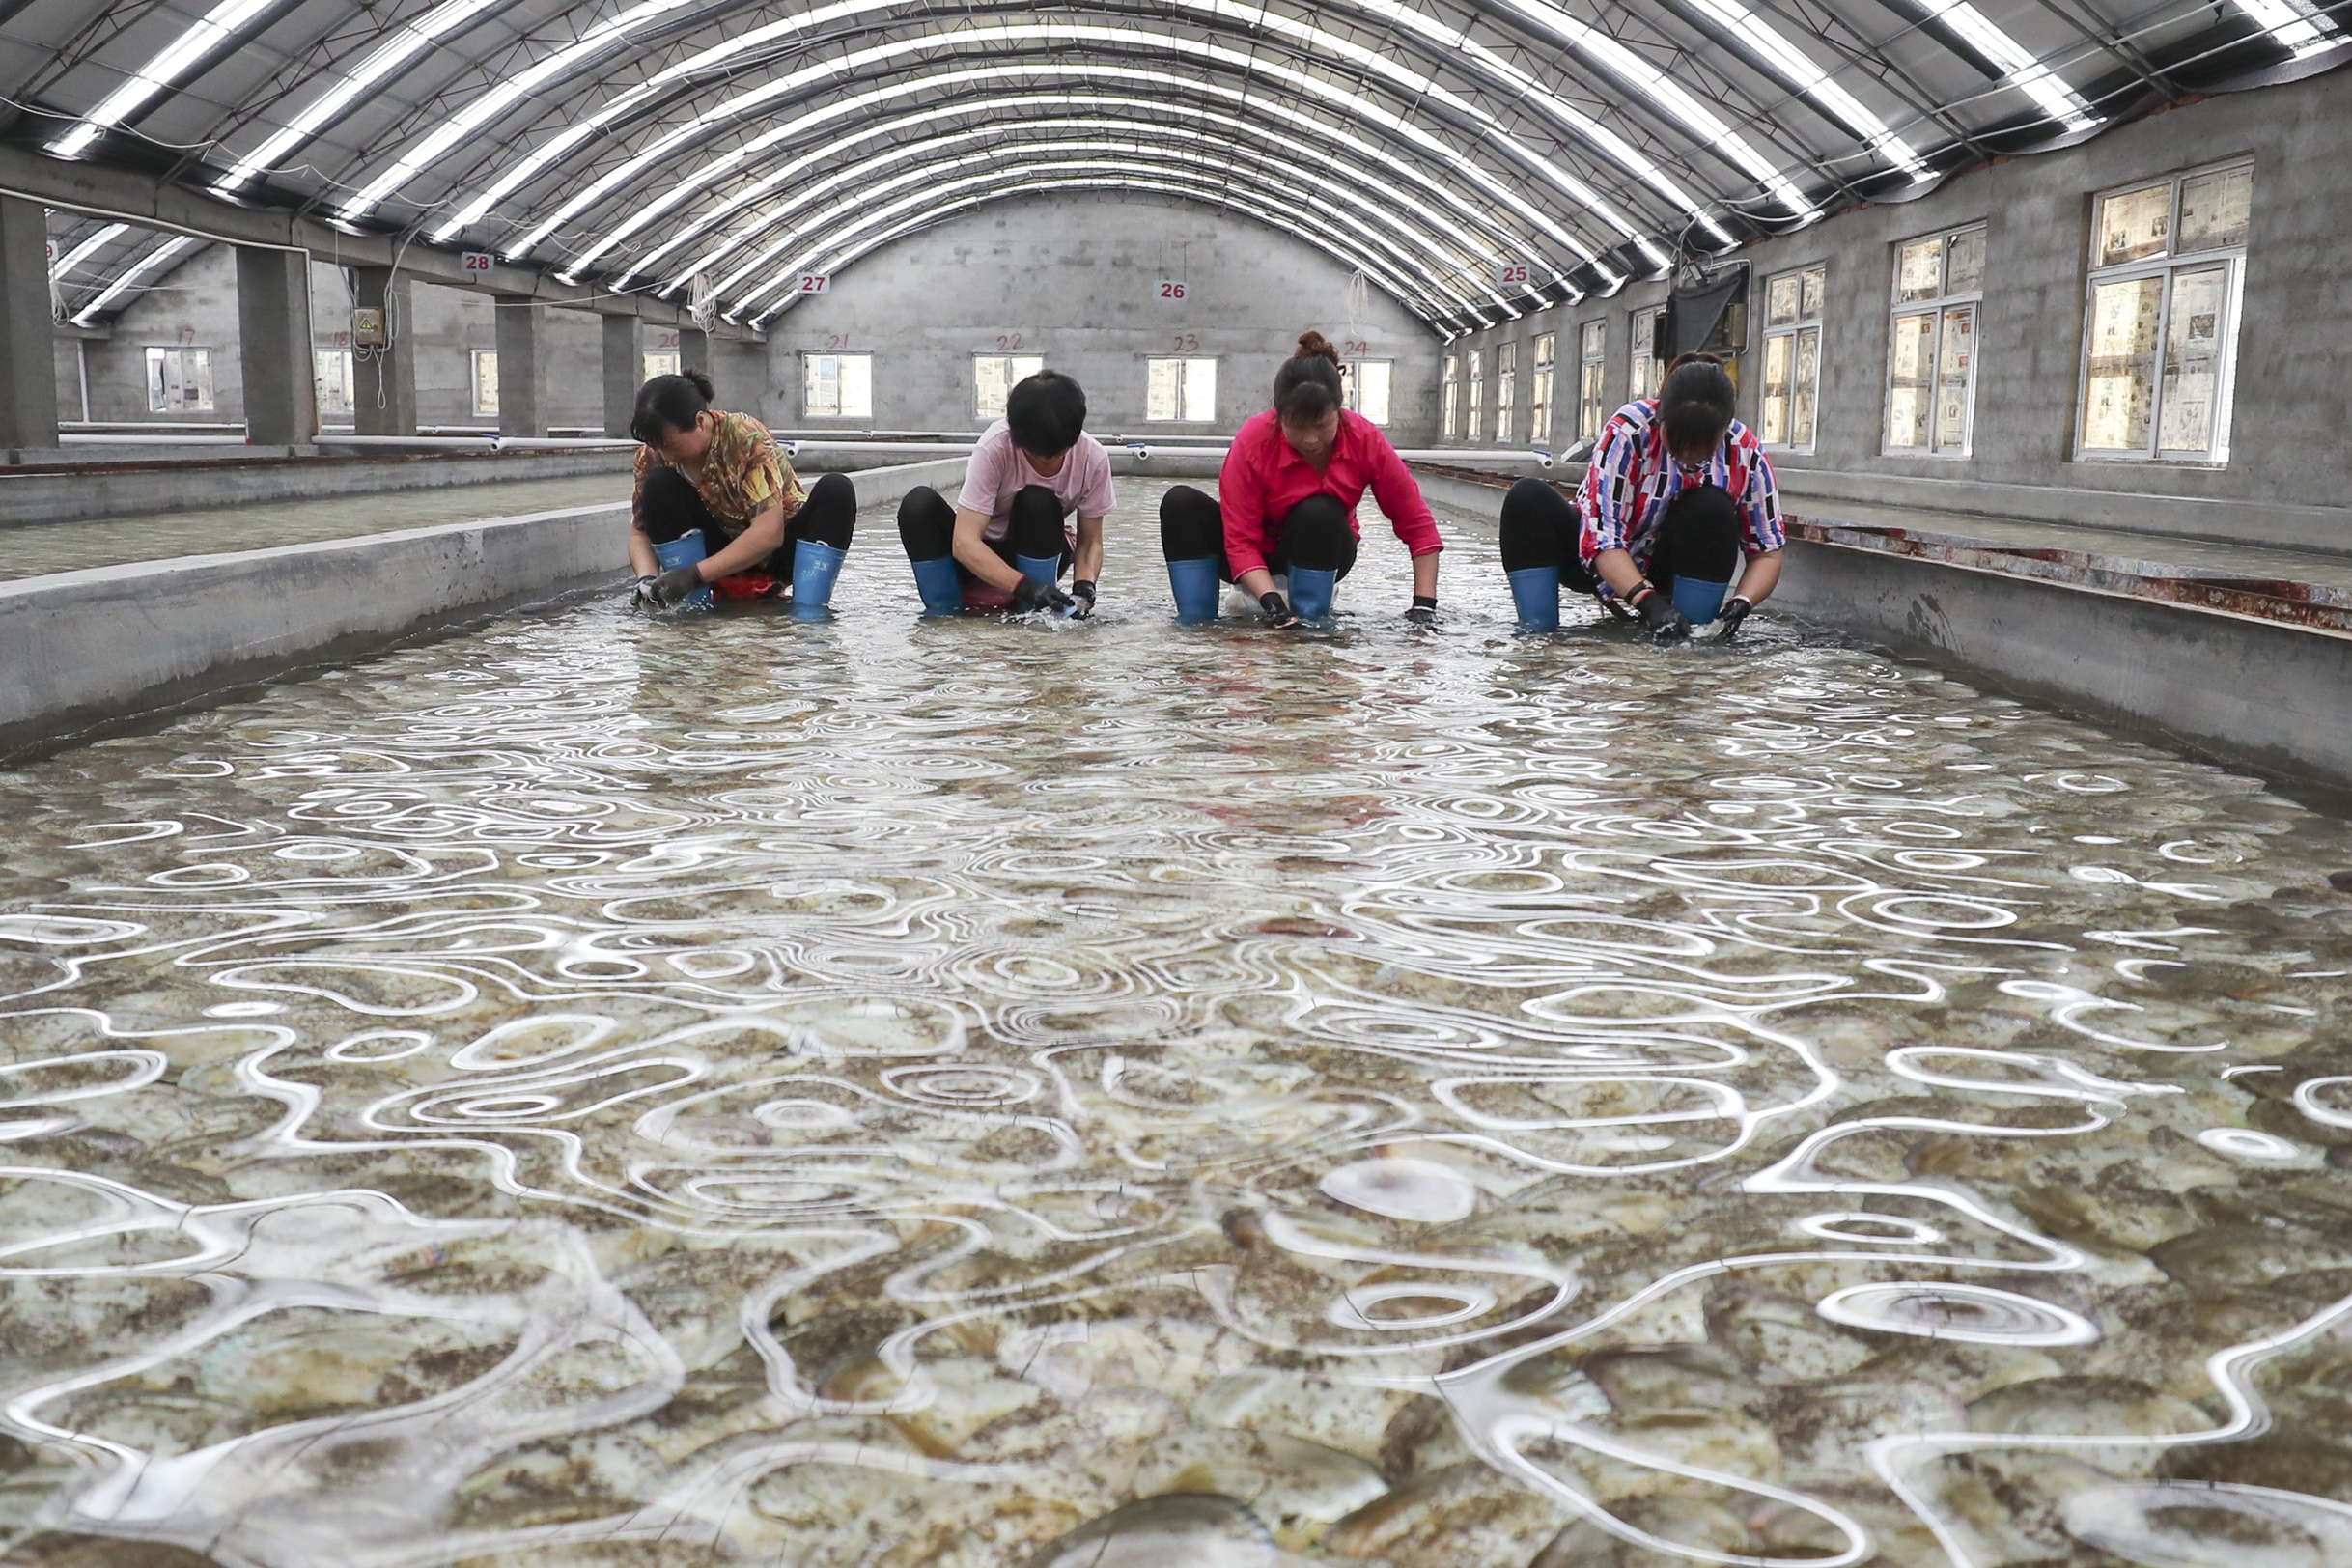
x,y
809,360
161,355
1014,377
1184,364
1352,389
1936,306
645,362
348,369
475,358
1643,383
1543,363
1449,397
1506,390
1477,425
2169,265
1592,409
1794,330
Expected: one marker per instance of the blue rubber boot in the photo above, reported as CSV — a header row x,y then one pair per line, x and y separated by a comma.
x,y
814,567
1311,591
1045,569
942,590
684,550
1536,594
1195,586
1699,600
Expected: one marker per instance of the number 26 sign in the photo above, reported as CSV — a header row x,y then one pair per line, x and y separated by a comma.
x,y
1168,288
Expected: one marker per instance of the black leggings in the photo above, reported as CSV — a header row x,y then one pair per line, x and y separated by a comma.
x,y
927,527
1699,536
671,507
1314,535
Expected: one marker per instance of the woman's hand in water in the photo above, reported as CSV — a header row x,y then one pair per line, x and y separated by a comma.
x,y
1657,613
641,597
674,586
1032,594
1424,611
1277,611
1083,592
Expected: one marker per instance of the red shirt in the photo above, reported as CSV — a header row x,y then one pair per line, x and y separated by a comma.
x,y
1262,479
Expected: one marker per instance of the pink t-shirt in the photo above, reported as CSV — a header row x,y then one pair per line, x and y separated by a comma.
x,y
999,470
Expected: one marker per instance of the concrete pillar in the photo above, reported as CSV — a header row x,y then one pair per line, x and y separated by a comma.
x,y
623,372
274,348
28,336
694,349
521,370
383,380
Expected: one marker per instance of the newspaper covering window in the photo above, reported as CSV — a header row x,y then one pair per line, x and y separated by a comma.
x,y
2160,333
994,376
1180,390
179,380
1792,357
1931,359
837,387
1370,383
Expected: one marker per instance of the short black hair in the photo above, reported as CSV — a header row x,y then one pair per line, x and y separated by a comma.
x,y
670,403
1696,404
1047,413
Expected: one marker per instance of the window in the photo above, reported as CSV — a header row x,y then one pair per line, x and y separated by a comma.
x,y
1506,388
837,387
1539,391
2160,357
1369,383
1450,398
1646,370
1931,357
179,380
1591,406
1180,390
335,388
995,375
660,362
486,382
1477,394
1792,357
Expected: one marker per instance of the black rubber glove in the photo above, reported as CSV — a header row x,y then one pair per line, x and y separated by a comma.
x,y
1277,609
1664,622
641,597
1735,610
1083,592
1032,594
673,586
1424,611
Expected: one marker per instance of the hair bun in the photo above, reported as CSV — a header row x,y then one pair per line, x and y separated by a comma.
x,y
1313,344
702,383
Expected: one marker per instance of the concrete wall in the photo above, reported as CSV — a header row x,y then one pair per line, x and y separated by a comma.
x,y
1072,278
195,305
2288,426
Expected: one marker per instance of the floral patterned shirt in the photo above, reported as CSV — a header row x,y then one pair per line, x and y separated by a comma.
x,y
743,471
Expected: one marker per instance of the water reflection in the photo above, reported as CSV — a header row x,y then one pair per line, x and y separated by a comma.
x,y
909,1094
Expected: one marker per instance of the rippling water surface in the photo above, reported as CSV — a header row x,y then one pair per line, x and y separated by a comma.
x,y
883,1093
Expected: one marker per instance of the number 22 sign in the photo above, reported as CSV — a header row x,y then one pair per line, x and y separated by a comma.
x,y
1168,288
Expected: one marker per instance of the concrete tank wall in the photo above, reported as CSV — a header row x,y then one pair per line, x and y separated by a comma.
x,y
1073,278
2290,401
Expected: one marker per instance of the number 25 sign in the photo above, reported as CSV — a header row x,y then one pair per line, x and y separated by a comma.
x,y
1509,274
1168,288
816,283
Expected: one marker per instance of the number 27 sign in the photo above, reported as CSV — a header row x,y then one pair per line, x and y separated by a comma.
x,y
816,283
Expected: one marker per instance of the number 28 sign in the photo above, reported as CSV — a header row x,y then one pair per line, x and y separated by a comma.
x,y
1171,288
816,283
477,264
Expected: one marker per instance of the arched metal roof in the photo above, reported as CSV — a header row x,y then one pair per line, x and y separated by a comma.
x,y
644,144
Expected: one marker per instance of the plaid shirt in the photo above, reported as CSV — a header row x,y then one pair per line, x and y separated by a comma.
x,y
1631,479
743,472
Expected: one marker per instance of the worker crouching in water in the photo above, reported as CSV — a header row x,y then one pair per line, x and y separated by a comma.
x,y
1285,505
717,506
1677,500
1006,541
